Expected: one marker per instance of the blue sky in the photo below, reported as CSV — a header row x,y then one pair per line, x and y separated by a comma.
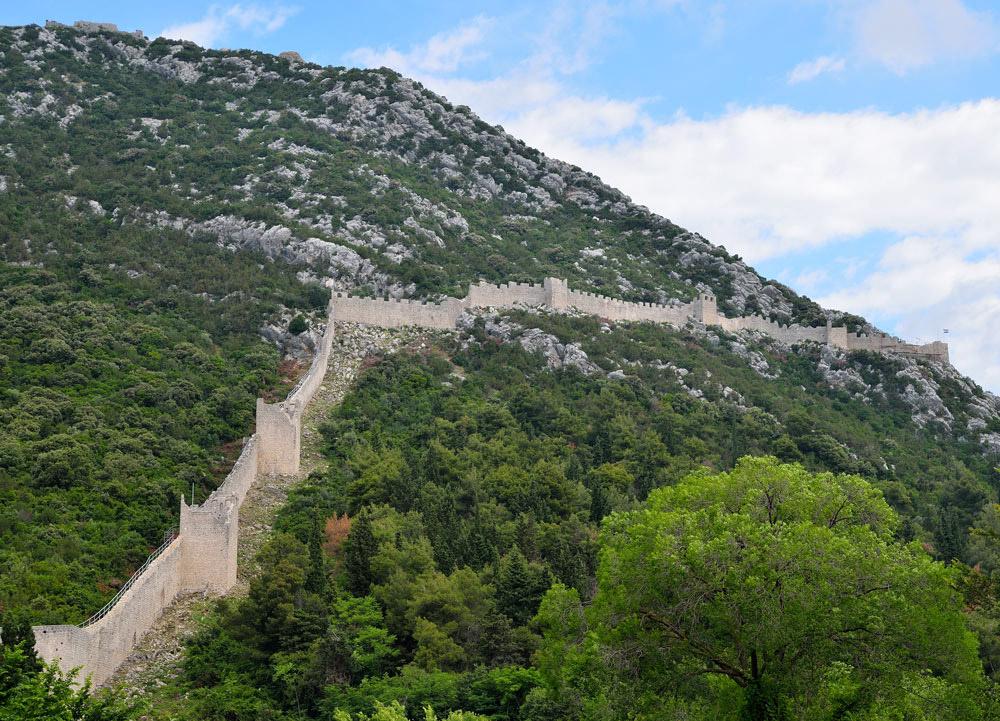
x,y
849,148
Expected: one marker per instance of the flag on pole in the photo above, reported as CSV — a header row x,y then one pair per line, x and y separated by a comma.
x,y
945,330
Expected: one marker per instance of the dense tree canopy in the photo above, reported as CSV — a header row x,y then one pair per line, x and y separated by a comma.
x,y
767,589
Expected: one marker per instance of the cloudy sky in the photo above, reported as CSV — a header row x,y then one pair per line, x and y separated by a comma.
x,y
849,148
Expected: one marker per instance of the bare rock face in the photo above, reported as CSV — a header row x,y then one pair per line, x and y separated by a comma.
x,y
300,346
534,340
291,56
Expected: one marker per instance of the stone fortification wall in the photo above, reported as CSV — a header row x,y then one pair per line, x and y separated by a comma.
x,y
311,381
278,430
204,555
615,309
555,293
885,343
91,27
210,532
785,333
389,313
487,295
279,425
100,648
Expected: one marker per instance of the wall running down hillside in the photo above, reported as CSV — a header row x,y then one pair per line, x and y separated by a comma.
x,y
555,293
203,555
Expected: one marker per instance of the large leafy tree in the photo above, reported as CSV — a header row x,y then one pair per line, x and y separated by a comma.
x,y
767,592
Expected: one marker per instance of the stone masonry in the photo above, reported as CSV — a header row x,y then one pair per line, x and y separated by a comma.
x,y
555,293
203,556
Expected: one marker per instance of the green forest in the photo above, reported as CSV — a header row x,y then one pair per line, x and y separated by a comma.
x,y
484,522
694,525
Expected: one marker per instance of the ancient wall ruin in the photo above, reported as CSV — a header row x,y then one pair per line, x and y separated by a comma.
x,y
203,556
555,293
91,27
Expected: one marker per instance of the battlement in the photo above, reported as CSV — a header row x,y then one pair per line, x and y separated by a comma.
x,y
203,556
396,313
90,27
555,293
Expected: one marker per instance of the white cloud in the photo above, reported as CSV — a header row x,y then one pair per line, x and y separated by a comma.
x,y
220,22
444,52
810,69
931,284
582,119
907,34
808,281
767,181
570,37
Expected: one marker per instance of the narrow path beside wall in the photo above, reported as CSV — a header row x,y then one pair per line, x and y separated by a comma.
x,y
156,661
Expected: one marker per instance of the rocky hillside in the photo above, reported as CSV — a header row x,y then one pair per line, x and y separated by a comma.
x,y
363,177
116,150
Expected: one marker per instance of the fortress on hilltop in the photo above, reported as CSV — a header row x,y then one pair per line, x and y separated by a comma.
x,y
555,293
89,27
202,555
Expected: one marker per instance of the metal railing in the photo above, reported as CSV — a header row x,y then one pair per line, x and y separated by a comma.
x,y
168,537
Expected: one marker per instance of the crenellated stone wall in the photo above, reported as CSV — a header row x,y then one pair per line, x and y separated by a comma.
x,y
555,293
203,557
100,648
91,27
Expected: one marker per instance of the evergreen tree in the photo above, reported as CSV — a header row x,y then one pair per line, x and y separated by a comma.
x,y
516,595
316,580
574,469
599,505
480,545
441,525
498,642
359,548
950,537
526,534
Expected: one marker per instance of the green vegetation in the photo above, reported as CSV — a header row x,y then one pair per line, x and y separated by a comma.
x,y
31,690
766,592
118,395
467,481
492,538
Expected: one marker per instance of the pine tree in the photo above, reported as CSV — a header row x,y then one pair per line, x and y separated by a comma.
x,y
599,505
498,644
515,590
480,545
527,536
359,548
316,579
574,469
